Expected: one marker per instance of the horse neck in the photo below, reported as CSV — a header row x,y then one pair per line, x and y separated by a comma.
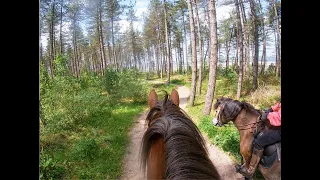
x,y
156,158
244,118
246,136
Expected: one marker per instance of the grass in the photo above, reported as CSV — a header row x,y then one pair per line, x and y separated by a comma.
x,y
95,150
86,131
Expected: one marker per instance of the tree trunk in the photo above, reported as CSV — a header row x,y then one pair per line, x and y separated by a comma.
x,y
200,50
237,53
246,41
159,61
239,27
213,58
256,45
51,40
264,45
113,44
75,53
185,43
53,35
61,43
263,57
194,54
205,55
177,56
99,45
103,56
109,53
276,49
278,65
167,43
180,58
227,53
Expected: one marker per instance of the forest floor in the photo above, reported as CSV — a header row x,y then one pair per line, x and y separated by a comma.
x,y
131,163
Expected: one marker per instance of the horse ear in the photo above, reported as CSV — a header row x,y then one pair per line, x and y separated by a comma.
x,y
175,97
152,98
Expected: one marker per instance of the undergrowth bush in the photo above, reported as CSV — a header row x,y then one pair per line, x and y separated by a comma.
x,y
125,85
85,149
50,168
84,122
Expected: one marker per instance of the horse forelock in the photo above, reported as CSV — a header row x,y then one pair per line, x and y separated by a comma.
x,y
230,108
220,101
185,150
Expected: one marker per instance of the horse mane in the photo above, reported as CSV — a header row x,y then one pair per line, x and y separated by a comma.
x,y
186,156
233,107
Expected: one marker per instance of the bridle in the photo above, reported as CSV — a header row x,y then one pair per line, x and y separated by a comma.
x,y
219,115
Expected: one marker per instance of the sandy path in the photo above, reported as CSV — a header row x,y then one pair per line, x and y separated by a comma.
x,y
132,170
131,167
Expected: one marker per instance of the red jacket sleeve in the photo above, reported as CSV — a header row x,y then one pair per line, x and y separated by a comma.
x,y
275,116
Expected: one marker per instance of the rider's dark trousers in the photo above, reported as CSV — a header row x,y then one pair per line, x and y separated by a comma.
x,y
266,138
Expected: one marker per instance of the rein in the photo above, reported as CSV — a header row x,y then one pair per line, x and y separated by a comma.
x,y
251,125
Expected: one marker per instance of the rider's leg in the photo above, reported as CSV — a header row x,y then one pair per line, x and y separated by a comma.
x,y
264,139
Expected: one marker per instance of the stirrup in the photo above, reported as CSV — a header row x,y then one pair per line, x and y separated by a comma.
x,y
238,167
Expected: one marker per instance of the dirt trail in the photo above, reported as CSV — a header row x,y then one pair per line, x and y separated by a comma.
x,y
131,167
132,170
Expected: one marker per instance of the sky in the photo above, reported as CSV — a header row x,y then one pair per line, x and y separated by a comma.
x,y
222,12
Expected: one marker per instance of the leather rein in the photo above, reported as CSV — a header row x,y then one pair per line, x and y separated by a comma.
x,y
250,125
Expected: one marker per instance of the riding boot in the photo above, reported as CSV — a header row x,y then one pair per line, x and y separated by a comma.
x,y
255,159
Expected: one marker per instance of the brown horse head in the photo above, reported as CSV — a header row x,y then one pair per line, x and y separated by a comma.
x,y
228,110
173,147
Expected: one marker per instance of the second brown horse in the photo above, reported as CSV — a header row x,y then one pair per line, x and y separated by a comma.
x,y
247,120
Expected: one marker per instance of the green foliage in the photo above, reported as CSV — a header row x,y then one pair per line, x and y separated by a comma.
x,y
111,80
231,75
85,149
225,137
61,65
44,79
125,85
178,81
85,131
50,168
271,69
